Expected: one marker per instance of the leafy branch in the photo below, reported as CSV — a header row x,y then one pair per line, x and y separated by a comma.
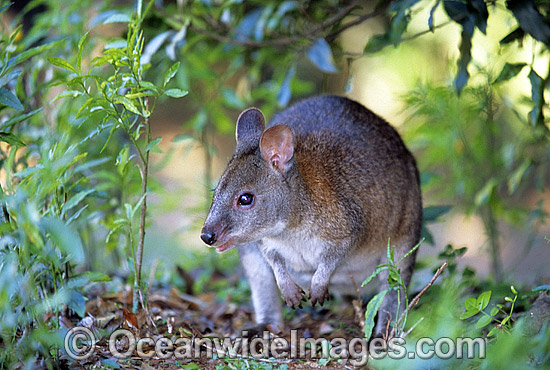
x,y
478,305
395,283
123,101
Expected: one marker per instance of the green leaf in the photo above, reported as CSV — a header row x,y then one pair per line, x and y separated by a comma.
x,y
483,300
494,311
463,75
11,139
468,314
378,270
148,85
61,63
11,76
483,321
128,104
513,289
456,10
176,93
68,94
461,13
80,49
77,303
65,238
75,199
129,213
110,363
9,99
5,7
170,73
115,229
492,331
372,308
97,277
182,137
536,116
140,94
191,366
377,42
517,176
138,204
27,54
483,196
530,19
284,94
153,145
115,44
471,304
509,71
411,251
516,34
431,18
321,56
231,99
118,18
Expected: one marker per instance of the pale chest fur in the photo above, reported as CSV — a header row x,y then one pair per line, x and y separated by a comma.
x,y
303,252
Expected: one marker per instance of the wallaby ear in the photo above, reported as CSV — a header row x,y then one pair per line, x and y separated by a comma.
x,y
277,146
250,126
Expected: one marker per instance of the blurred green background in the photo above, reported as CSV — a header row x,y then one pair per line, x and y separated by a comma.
x,y
117,118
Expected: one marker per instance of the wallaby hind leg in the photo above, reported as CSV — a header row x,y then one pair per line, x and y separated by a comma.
x,y
265,293
388,309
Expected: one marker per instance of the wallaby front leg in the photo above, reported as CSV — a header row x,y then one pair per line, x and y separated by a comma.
x,y
291,292
265,297
320,281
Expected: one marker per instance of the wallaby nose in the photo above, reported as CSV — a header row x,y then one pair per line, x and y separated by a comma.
x,y
209,237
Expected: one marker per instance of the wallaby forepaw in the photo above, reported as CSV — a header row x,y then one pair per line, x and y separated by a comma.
x,y
293,295
318,294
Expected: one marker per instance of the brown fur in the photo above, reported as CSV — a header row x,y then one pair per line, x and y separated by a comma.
x,y
331,182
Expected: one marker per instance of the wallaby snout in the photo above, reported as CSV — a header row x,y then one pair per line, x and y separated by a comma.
x,y
209,237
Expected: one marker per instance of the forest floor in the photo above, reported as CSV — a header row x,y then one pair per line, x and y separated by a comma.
x,y
179,331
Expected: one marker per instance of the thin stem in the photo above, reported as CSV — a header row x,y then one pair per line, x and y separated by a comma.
x,y
143,212
491,228
139,6
415,300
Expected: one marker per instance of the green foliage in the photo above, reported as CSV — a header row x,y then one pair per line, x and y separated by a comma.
x,y
73,162
39,243
470,134
478,305
61,186
396,283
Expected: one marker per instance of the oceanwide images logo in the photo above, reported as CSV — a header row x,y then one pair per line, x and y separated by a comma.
x,y
80,344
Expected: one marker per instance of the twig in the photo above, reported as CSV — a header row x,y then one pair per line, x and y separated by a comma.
x,y
415,300
143,212
284,41
404,39
359,20
404,334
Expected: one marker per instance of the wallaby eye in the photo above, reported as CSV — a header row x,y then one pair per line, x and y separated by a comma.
x,y
245,200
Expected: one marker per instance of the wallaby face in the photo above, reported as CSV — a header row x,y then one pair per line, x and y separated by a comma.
x,y
313,200
251,199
